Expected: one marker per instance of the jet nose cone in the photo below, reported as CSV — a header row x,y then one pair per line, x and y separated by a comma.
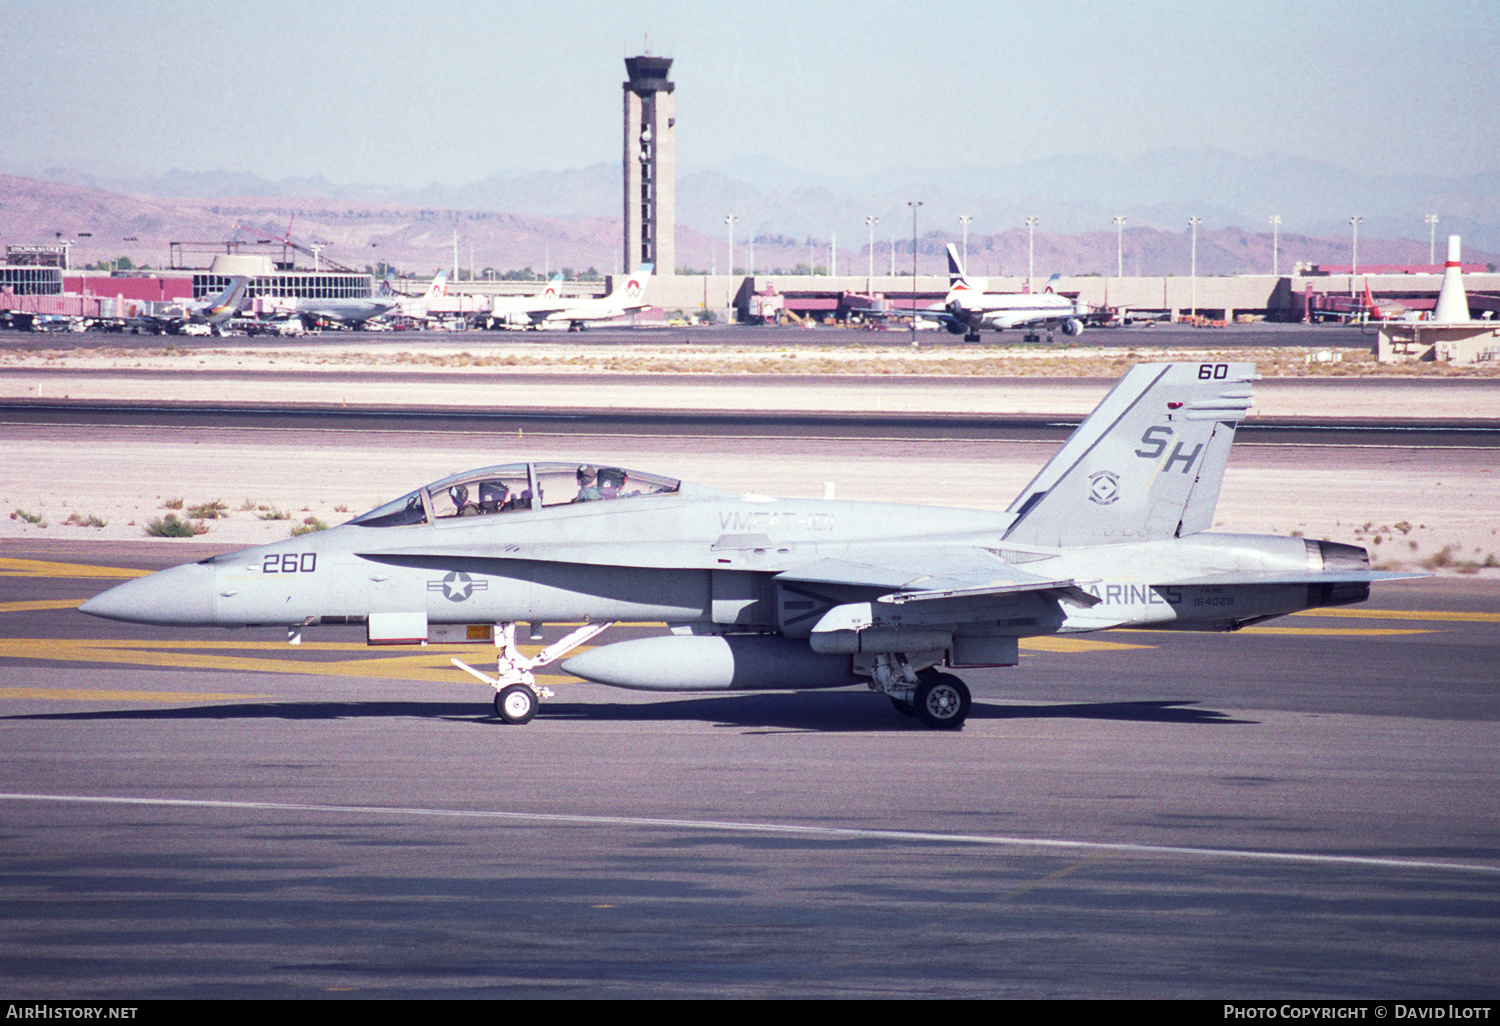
x,y
182,596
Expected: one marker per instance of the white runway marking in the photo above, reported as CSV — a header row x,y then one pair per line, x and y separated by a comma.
x,y
774,828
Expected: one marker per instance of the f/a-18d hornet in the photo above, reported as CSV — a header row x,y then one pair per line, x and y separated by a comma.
x,y
792,593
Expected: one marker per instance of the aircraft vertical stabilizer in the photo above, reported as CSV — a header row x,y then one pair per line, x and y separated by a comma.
x,y
958,278
1145,465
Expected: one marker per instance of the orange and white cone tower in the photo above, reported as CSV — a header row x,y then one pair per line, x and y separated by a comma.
x,y
1453,303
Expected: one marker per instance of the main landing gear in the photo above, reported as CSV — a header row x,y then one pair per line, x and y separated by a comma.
x,y
940,700
517,694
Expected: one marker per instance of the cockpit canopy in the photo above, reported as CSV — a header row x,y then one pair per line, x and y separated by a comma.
x,y
515,487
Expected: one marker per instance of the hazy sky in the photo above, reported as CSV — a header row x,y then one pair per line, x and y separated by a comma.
x,y
412,93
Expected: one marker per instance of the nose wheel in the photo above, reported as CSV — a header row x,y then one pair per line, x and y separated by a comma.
x,y
516,704
517,693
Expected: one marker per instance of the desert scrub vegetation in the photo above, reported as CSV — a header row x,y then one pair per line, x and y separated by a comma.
x,y
29,517
308,526
171,527
1448,558
79,520
209,510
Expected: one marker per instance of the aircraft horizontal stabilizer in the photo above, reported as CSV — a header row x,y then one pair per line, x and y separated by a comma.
x,y
1311,577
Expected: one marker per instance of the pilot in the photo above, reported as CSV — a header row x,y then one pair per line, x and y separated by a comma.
x,y
588,489
463,506
495,497
612,482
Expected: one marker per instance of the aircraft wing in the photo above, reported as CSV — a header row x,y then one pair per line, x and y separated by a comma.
x,y
932,314
935,311
1024,319
943,587
911,575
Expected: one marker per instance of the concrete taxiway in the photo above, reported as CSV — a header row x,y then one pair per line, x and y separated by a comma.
x,y
1306,808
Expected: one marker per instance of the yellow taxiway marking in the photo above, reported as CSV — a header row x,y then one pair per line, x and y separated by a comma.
x,y
1339,632
1404,614
10,567
105,695
428,663
22,607
1058,643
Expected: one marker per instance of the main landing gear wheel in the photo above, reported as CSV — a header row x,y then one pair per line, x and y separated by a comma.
x,y
516,704
942,701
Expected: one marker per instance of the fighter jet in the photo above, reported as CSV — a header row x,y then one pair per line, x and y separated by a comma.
x,y
968,307
765,593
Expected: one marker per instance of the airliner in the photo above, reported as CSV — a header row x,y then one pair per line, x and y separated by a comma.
x,y
212,312
627,298
417,306
968,307
352,312
520,310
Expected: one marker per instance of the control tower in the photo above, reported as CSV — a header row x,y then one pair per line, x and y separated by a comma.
x,y
650,166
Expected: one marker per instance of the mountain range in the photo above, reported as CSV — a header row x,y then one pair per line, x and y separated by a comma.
x,y
560,218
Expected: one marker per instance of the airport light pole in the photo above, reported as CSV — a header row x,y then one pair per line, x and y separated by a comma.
x,y
1193,223
1354,223
1030,251
1432,238
871,222
964,220
730,220
1275,244
1120,246
914,204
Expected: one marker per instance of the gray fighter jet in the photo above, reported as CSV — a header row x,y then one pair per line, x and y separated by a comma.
x,y
792,593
